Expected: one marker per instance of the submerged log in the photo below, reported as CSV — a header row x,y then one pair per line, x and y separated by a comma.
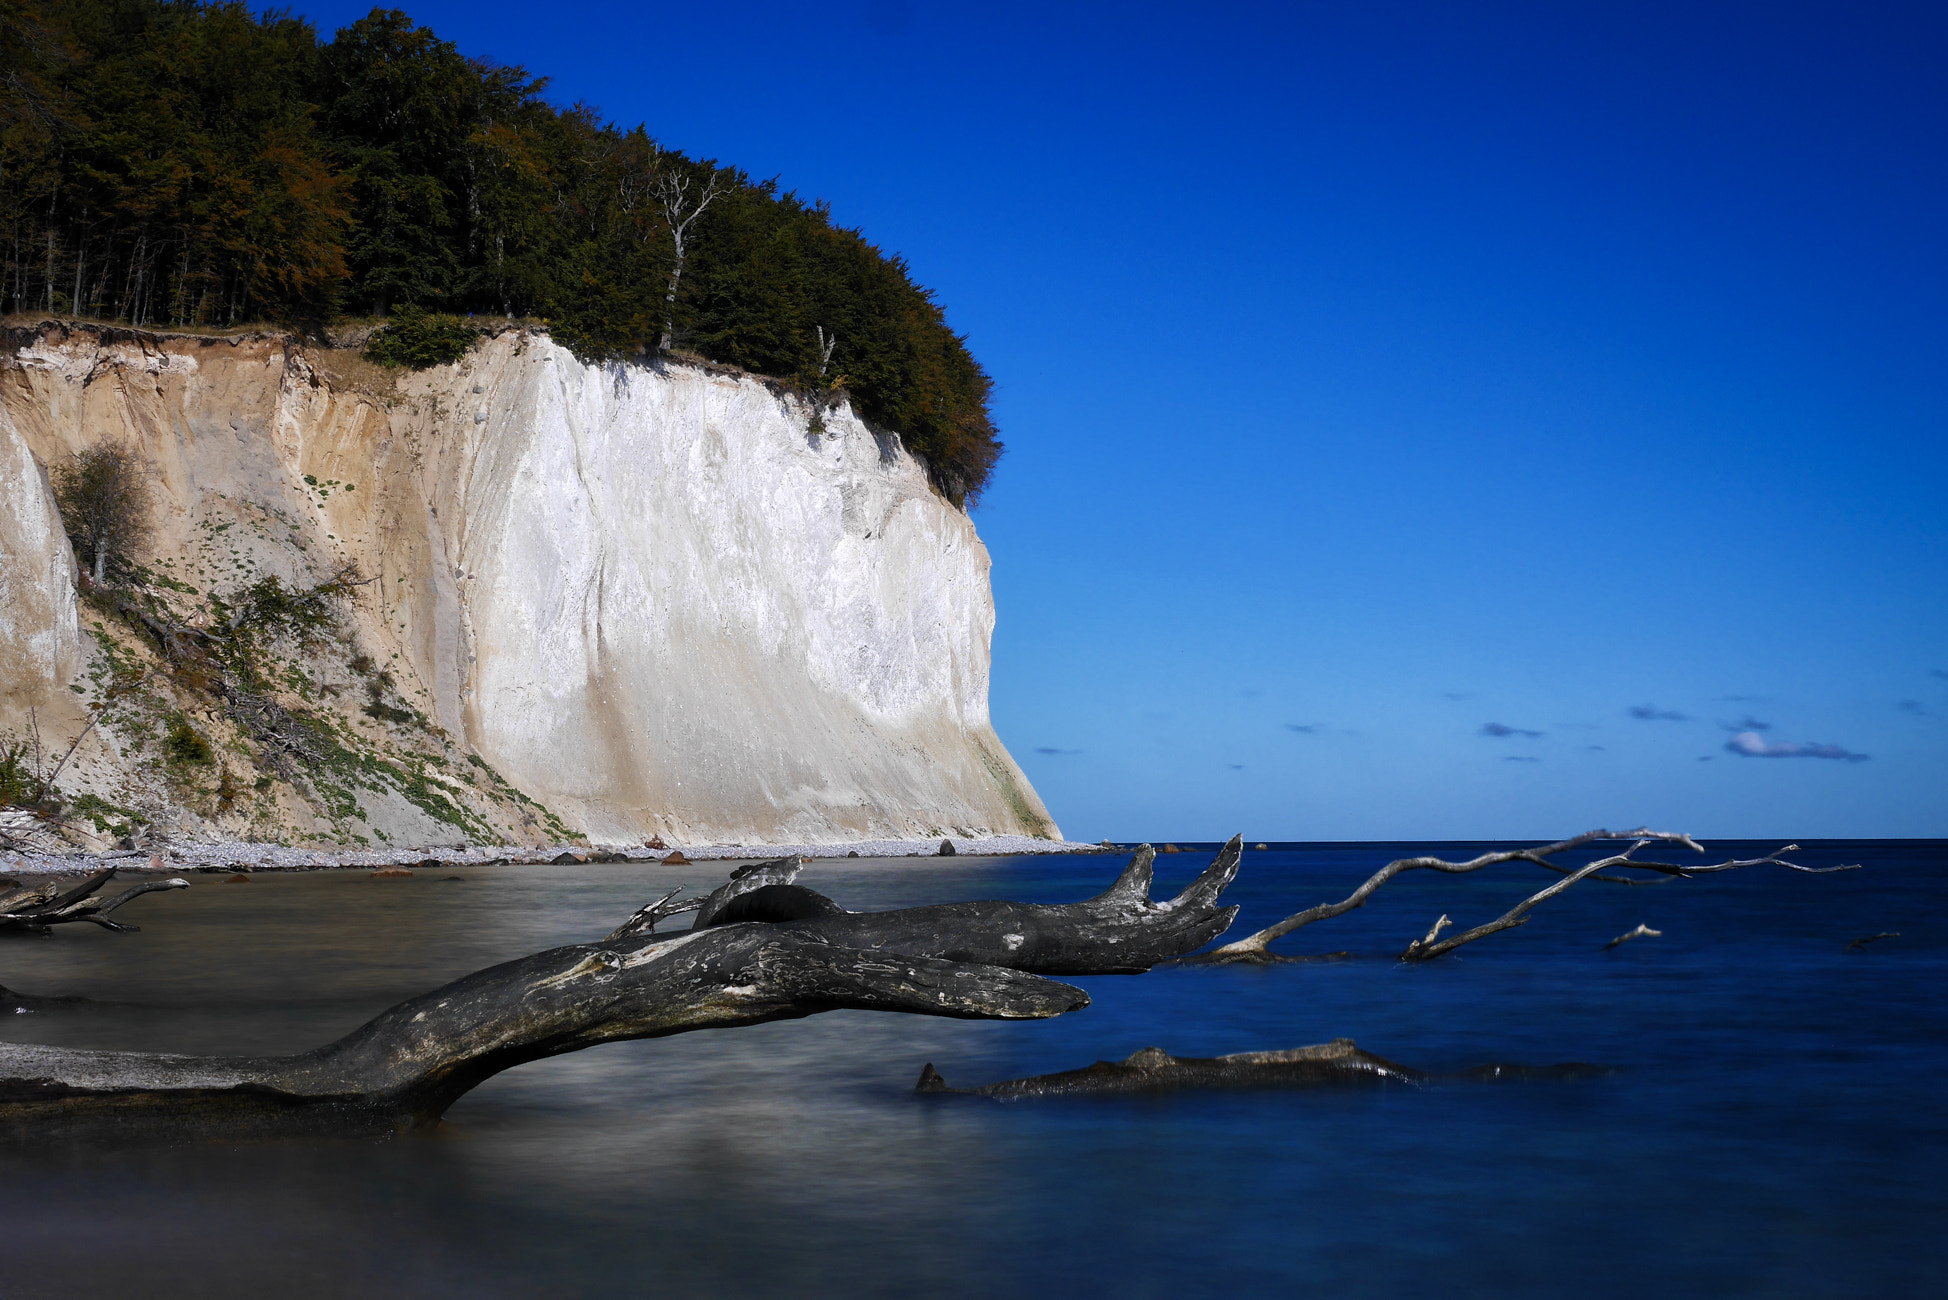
x,y
762,949
1155,1070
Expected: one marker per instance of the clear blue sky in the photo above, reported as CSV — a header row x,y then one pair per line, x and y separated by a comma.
x,y
1397,396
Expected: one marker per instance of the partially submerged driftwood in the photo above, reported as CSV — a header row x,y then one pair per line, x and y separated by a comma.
x,y
762,949
1155,1070
1254,947
36,908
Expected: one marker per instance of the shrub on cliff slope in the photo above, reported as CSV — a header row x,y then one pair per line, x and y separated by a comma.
x,y
177,162
104,498
417,339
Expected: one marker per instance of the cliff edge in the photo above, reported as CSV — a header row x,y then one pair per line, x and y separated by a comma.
x,y
611,601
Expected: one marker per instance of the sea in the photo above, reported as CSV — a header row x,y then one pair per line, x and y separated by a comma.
x,y
1768,1120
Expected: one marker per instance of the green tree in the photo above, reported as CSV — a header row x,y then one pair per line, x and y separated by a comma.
x,y
104,498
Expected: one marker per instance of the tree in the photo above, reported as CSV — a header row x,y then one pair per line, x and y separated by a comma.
x,y
680,209
190,162
104,498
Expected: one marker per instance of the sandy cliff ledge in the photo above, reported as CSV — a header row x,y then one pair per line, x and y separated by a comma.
x,y
649,600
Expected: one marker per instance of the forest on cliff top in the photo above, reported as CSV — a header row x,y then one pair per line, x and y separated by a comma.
x,y
185,163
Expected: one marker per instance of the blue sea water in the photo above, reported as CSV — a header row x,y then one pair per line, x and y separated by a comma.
x,y
1772,1127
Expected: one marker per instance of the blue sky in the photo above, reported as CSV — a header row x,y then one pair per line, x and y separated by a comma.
x,y
1422,420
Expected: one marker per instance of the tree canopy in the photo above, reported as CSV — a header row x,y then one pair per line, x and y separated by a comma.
x,y
187,163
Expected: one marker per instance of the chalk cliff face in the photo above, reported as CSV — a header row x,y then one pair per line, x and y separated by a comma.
x,y
650,600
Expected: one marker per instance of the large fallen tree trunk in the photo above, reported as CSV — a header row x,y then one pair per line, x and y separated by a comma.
x,y
762,949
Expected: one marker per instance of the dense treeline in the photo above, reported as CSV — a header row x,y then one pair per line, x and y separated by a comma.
x,y
182,162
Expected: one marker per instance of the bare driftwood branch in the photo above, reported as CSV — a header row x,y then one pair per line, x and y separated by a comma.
x,y
36,909
1641,932
1430,948
1253,947
763,949
645,919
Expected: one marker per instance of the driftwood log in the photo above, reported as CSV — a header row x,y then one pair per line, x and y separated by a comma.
x,y
36,908
761,949
1155,1070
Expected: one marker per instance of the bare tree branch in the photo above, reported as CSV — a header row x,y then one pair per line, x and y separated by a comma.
x,y
35,909
1641,932
1254,945
1427,949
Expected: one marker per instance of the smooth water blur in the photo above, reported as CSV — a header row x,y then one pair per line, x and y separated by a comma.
x,y
1773,1128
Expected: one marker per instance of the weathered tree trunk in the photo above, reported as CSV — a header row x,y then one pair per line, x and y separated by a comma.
x,y
763,949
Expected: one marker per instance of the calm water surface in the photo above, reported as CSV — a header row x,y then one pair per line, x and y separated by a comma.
x,y
1774,1126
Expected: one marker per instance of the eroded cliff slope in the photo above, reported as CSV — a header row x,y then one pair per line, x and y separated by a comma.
x,y
616,601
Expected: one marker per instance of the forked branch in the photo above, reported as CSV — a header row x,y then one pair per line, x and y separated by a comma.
x,y
37,908
1253,947
1431,947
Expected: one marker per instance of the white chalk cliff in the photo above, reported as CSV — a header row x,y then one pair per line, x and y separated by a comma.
x,y
655,600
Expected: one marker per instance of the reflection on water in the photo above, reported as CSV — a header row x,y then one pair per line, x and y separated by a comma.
x,y
1773,1130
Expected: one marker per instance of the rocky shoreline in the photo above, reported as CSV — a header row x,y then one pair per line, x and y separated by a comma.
x,y
248,858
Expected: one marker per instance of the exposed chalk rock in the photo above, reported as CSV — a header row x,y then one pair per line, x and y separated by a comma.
x,y
652,599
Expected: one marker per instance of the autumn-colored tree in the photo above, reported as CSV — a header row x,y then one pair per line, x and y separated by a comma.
x,y
187,162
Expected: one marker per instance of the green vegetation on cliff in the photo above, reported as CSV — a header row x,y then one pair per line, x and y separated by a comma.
x,y
176,162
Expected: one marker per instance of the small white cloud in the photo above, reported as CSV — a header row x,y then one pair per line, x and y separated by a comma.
x,y
1750,744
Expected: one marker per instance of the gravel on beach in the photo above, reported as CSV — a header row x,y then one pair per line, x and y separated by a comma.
x,y
281,857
